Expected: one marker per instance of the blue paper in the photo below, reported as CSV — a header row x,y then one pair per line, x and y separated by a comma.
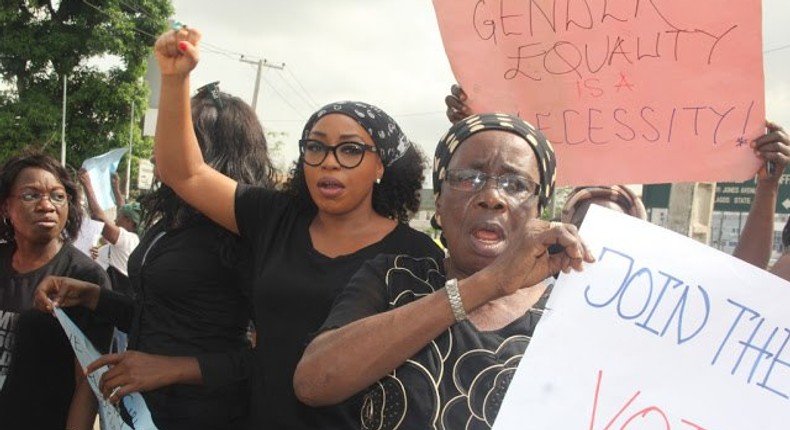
x,y
99,169
109,415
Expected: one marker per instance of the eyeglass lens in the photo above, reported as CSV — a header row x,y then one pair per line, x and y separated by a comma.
x,y
347,154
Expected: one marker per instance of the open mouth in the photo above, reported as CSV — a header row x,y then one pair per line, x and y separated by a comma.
x,y
330,184
488,239
330,187
488,234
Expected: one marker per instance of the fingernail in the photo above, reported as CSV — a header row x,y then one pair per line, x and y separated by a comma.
x,y
182,46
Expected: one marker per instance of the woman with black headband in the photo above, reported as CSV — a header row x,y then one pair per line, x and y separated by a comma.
x,y
347,200
453,329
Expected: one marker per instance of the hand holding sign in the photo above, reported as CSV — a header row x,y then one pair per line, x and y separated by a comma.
x,y
110,415
774,149
133,371
649,338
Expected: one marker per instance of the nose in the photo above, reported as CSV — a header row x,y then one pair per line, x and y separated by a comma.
x,y
45,203
491,197
330,161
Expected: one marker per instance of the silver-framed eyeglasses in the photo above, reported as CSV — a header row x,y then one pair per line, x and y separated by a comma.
x,y
57,198
473,180
347,154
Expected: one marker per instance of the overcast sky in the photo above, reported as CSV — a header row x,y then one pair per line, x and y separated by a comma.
x,y
385,52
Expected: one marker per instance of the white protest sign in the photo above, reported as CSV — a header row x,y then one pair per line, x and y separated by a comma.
x,y
662,332
99,169
145,178
90,232
110,416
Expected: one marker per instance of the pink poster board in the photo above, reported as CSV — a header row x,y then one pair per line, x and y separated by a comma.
x,y
628,91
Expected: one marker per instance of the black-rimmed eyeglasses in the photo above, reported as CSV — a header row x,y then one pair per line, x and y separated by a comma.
x,y
473,180
347,154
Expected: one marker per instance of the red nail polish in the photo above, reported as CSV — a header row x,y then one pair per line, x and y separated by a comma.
x,y
182,46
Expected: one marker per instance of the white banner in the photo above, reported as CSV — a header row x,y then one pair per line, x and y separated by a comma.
x,y
662,332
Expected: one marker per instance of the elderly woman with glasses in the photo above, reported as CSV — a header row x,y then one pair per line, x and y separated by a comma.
x,y
452,329
41,383
348,199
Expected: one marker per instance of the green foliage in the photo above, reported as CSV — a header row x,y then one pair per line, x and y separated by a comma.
x,y
101,47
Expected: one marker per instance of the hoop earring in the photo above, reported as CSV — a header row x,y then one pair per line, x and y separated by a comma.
x,y
7,222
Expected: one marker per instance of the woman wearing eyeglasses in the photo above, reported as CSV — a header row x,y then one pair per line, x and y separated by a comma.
x,y
347,200
453,329
41,383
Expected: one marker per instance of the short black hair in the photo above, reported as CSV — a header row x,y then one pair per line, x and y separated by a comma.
x,y
36,159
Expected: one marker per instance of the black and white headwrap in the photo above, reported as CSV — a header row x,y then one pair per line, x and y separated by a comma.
x,y
462,130
386,133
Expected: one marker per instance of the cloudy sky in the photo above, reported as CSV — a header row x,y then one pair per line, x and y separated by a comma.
x,y
386,52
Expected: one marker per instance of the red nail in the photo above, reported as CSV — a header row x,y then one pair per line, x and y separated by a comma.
x,y
182,46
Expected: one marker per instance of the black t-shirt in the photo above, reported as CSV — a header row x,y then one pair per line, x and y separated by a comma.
x,y
191,300
35,352
295,287
458,381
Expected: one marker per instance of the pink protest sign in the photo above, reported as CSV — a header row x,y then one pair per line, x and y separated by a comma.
x,y
628,91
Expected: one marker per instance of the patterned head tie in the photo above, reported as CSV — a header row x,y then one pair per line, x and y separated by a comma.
x,y
619,194
462,130
386,133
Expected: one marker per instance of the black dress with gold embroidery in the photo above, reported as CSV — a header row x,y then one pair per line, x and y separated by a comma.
x,y
457,381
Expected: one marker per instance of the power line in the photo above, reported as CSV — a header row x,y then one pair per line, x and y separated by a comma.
x,y
111,16
279,94
283,98
302,87
778,48
310,105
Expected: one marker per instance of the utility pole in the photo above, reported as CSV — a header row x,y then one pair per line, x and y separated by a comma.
x,y
63,127
261,64
129,157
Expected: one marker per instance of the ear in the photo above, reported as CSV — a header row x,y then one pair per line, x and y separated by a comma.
x,y
379,168
437,214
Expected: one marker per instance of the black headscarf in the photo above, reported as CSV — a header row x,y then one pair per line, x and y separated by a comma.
x,y
386,133
462,130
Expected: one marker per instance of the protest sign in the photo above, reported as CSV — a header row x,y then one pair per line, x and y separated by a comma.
x,y
110,416
649,337
628,91
99,169
146,176
89,235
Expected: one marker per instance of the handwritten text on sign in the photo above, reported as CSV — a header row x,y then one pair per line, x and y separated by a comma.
x,y
110,415
651,90
648,338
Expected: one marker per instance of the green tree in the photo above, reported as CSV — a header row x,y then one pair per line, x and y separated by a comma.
x,y
101,47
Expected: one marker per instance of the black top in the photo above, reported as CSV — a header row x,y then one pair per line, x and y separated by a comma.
x,y
294,289
457,381
190,301
39,384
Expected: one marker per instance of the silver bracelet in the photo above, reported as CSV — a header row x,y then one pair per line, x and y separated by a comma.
x,y
456,304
